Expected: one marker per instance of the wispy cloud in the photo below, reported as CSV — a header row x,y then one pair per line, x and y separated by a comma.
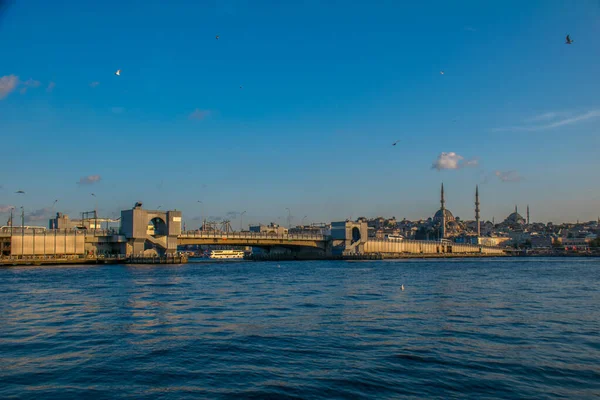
x,y
29,83
94,84
553,120
50,87
8,83
199,114
89,180
6,208
471,163
546,116
232,214
508,176
452,160
39,215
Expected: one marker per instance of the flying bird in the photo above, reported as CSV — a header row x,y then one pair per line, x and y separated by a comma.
x,y
217,37
20,192
402,287
441,72
568,40
93,194
118,73
395,143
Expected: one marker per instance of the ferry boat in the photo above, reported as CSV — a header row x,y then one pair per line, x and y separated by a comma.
x,y
394,237
226,254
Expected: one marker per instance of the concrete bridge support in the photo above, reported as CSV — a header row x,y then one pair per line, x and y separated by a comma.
x,y
150,231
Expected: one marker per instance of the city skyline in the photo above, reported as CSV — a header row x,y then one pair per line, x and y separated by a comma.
x,y
42,215
272,115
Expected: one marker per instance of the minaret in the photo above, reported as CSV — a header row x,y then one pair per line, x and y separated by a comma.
x,y
527,214
516,209
443,209
477,210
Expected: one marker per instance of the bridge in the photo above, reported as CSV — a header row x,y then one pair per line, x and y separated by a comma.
x,y
151,233
254,239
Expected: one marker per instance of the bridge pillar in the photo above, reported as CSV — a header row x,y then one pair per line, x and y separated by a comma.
x,y
150,232
348,237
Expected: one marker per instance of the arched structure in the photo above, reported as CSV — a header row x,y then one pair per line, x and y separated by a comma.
x,y
146,229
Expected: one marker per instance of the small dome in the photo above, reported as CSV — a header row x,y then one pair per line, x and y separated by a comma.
x,y
515,218
437,218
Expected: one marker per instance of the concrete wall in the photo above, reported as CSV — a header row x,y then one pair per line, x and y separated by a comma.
x,y
174,222
134,226
70,243
425,247
343,239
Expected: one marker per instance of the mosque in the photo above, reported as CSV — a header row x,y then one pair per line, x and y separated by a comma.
x,y
453,226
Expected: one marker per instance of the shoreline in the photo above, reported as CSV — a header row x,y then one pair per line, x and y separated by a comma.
x,y
185,260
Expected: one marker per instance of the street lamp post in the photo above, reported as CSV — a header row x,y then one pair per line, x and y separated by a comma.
x,y
22,232
303,218
11,221
289,218
53,216
242,219
95,212
200,202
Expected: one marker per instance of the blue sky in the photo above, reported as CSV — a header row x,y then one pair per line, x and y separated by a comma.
x,y
326,87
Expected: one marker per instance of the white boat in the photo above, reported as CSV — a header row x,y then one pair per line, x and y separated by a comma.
x,y
394,237
226,254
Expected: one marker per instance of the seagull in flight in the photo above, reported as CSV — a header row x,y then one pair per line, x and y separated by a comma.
x,y
568,40
441,72
118,73
395,143
217,37
20,192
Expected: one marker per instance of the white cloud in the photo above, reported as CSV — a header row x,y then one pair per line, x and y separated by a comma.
x,y
199,114
8,83
508,176
94,84
89,180
559,119
451,160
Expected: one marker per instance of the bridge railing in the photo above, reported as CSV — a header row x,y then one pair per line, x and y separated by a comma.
x,y
249,235
17,230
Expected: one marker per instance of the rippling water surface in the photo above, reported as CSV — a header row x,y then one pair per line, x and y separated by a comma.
x,y
515,328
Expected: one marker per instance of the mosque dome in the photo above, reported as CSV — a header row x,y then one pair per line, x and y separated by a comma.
x,y
515,218
437,218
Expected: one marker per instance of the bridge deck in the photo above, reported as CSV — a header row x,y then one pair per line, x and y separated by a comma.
x,y
252,239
